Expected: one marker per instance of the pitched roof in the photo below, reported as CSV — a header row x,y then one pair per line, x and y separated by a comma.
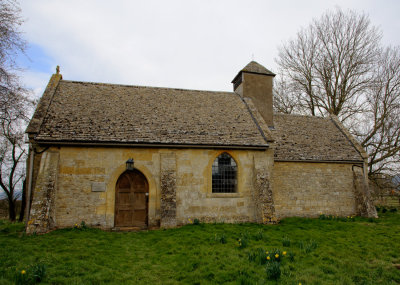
x,y
255,67
84,112
252,67
110,113
312,138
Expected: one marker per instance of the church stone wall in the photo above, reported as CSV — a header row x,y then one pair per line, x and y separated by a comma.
x,y
181,178
308,189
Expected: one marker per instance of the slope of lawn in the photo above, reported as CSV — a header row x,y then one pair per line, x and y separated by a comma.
x,y
317,251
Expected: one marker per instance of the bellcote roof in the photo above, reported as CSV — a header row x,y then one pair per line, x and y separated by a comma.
x,y
254,67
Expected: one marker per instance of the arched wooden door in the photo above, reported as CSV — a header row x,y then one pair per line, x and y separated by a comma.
x,y
131,200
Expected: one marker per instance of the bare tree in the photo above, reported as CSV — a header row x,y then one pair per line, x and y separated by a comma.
x,y
14,104
12,154
286,98
337,66
379,130
330,62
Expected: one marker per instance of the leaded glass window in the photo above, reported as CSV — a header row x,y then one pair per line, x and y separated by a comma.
x,y
224,174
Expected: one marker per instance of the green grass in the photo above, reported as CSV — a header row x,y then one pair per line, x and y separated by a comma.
x,y
337,251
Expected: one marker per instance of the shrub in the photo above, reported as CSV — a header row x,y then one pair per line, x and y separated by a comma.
x,y
273,270
285,241
196,222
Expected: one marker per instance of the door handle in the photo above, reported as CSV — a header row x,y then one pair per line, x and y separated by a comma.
x,y
147,194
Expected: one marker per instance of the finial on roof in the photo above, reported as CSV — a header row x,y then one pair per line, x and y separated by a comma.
x,y
58,69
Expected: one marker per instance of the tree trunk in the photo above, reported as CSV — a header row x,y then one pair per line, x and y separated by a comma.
x,y
11,210
23,202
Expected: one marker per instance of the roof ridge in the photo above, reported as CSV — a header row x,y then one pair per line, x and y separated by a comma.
x,y
144,86
299,115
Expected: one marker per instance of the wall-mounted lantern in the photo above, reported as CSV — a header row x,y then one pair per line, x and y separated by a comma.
x,y
129,164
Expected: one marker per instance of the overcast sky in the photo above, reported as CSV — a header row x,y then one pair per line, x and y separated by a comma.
x,y
180,44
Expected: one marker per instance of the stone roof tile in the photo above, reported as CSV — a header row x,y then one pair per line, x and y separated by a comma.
x,y
311,138
95,112
255,67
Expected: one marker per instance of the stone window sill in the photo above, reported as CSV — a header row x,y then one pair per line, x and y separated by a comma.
x,y
224,195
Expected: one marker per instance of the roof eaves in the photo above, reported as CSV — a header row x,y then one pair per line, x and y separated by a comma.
x,y
158,145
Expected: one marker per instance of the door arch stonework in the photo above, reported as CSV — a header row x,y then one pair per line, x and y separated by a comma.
x,y
131,200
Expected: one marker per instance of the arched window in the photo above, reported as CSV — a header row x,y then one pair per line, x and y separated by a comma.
x,y
224,174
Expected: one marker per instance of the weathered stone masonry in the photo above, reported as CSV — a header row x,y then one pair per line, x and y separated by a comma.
x,y
168,190
262,191
42,215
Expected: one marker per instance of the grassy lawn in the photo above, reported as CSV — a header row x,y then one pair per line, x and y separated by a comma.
x,y
346,251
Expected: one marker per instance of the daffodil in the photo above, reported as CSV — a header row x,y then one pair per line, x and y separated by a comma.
x,y
284,253
266,252
268,258
23,272
276,255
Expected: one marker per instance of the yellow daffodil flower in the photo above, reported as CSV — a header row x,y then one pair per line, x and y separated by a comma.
x,y
284,253
23,272
276,255
268,258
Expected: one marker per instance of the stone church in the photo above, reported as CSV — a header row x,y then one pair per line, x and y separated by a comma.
x,y
137,157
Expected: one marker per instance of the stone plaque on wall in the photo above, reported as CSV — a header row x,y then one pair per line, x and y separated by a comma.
x,y
98,187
